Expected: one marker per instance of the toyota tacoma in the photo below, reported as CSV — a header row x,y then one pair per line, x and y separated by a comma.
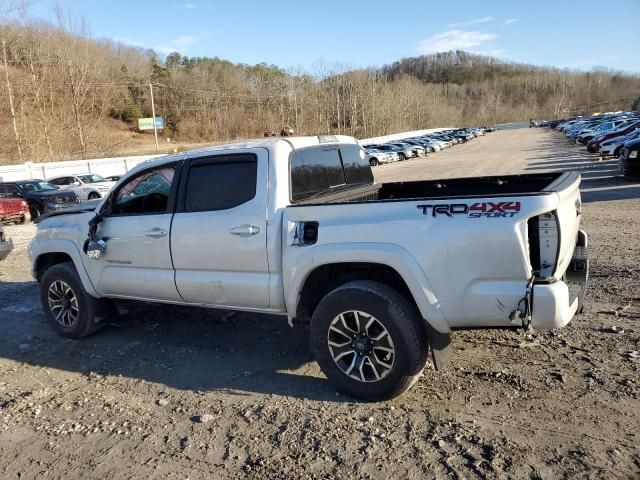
x,y
296,226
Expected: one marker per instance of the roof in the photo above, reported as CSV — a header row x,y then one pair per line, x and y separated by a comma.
x,y
266,143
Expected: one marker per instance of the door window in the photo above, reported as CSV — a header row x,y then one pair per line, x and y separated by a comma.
x,y
147,193
220,183
62,181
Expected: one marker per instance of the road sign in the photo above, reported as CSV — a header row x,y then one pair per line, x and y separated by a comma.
x,y
147,123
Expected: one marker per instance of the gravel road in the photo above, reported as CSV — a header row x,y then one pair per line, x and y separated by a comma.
x,y
168,392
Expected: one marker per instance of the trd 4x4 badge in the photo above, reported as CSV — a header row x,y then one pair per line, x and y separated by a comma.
x,y
475,210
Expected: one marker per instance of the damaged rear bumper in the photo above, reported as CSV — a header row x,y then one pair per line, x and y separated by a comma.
x,y
555,303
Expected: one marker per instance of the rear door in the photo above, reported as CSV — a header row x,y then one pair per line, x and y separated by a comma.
x,y
219,231
136,226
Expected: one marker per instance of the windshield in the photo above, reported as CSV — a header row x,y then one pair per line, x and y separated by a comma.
x,y
91,178
38,187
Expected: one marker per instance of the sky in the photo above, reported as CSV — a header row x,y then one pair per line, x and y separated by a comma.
x,y
304,35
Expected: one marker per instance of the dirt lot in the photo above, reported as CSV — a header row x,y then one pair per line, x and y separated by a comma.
x,y
167,392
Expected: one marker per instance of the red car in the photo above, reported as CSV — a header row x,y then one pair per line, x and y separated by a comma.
x,y
14,210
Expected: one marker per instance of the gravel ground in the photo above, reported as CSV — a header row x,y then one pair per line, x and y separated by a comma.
x,y
168,392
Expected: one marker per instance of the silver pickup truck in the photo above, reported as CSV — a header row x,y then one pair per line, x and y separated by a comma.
x,y
296,226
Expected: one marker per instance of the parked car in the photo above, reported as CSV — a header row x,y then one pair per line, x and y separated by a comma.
x,y
376,157
630,159
87,186
416,150
42,197
14,210
614,145
403,152
594,144
297,227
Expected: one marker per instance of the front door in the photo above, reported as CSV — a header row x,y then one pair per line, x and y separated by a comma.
x,y
136,227
219,231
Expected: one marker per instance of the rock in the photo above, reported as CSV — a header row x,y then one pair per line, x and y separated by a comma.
x,y
612,329
162,402
207,417
24,347
441,443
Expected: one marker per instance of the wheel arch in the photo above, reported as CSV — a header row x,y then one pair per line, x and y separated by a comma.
x,y
55,252
332,265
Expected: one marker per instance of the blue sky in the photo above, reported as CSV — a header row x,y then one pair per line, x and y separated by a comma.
x,y
562,33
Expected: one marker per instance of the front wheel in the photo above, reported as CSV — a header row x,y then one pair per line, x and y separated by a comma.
x,y
373,162
402,156
94,196
369,340
70,310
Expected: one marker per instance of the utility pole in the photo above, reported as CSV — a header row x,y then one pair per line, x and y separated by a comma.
x,y
153,114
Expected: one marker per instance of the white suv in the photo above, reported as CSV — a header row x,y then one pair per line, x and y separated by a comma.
x,y
88,186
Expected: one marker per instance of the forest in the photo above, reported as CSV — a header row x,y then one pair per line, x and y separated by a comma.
x,y
67,95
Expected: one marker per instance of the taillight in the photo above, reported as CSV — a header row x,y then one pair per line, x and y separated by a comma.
x,y
544,241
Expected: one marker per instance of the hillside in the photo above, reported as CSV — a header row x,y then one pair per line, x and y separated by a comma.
x,y
66,95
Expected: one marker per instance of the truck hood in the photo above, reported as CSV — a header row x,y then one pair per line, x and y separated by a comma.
x,y
71,213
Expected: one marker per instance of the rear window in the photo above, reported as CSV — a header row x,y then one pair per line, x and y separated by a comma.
x,y
319,170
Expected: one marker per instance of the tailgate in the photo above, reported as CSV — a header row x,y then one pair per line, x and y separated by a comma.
x,y
567,221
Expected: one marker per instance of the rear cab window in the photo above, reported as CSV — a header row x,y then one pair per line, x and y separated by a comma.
x,y
320,170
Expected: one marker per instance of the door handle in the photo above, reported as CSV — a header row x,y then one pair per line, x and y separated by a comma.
x,y
156,233
245,230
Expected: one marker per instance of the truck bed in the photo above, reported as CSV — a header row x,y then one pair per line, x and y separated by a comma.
x,y
504,185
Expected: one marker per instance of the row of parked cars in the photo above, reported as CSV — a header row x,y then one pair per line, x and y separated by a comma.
x,y
416,147
24,200
614,134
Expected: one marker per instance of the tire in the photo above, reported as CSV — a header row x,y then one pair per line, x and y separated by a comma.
x,y
382,309
373,162
402,156
94,196
88,310
35,211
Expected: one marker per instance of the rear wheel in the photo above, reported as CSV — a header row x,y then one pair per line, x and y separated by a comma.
x,y
70,310
94,196
373,162
369,340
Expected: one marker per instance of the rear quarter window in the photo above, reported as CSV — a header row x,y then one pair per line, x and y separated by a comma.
x,y
319,170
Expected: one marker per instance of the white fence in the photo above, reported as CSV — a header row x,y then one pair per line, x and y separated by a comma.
x,y
44,171
120,165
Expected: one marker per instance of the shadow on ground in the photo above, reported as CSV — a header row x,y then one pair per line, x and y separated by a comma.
x,y
601,177
181,347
